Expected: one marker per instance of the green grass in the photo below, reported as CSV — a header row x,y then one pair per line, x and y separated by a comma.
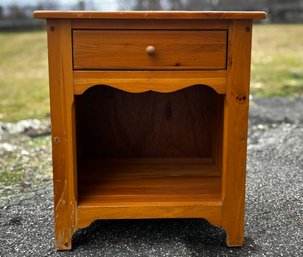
x,y
11,176
34,166
277,60
277,68
23,75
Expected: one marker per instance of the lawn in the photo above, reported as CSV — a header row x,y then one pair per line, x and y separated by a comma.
x,y
277,60
23,75
277,68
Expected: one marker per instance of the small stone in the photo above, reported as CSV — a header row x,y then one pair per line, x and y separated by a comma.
x,y
6,147
24,152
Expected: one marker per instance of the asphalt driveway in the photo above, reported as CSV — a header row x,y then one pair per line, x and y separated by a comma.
x,y
274,207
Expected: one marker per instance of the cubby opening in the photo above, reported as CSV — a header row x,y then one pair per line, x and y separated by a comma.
x,y
149,148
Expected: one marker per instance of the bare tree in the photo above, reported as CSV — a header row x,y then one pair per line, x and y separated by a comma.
x,y
148,5
176,5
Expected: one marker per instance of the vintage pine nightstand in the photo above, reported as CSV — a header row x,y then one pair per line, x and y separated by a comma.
x,y
149,116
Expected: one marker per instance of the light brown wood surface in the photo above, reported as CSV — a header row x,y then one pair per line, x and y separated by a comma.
x,y
213,213
235,131
148,181
148,15
149,24
139,137
63,137
126,49
149,188
216,130
142,81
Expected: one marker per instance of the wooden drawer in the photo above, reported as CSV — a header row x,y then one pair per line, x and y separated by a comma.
x,y
169,49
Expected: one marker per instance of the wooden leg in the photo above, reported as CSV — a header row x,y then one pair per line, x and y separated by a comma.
x,y
235,235
63,135
235,132
65,242
65,209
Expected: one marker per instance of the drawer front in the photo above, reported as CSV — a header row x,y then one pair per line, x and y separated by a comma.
x,y
149,49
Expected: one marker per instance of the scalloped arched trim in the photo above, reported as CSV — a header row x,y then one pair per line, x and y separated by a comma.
x,y
88,214
142,81
166,90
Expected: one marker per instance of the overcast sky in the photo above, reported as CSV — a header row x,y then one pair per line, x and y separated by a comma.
x,y
103,5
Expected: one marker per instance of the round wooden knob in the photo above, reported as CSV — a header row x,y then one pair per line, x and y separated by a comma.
x,y
151,50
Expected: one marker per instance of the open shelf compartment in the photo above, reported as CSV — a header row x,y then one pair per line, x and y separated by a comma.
x,y
129,182
149,149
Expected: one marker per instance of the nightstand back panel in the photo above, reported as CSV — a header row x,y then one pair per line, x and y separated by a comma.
x,y
113,123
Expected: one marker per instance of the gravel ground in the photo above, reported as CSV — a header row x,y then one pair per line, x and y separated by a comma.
x,y
274,209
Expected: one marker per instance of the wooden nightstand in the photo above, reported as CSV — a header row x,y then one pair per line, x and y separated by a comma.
x,y
149,116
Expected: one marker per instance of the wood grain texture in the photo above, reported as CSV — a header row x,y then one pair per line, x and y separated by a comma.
x,y
148,15
142,81
149,24
62,117
149,182
115,124
126,49
149,188
149,143
217,124
87,214
235,131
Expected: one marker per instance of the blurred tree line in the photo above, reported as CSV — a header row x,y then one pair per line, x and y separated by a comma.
x,y
286,11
